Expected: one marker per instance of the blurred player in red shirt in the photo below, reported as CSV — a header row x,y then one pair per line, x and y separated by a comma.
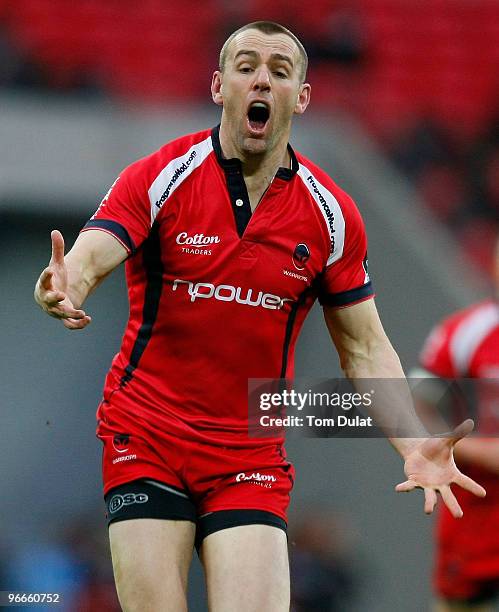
x,y
229,236
466,345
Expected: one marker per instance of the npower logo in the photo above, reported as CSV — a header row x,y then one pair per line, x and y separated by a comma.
x,y
228,293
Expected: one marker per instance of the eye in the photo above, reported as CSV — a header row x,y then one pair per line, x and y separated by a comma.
x,y
280,74
245,69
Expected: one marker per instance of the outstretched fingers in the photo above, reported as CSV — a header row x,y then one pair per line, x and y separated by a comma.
x,y
462,430
470,485
430,500
405,487
451,502
431,497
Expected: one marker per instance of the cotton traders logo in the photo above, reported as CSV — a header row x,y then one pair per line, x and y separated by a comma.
x,y
120,443
263,480
196,239
301,255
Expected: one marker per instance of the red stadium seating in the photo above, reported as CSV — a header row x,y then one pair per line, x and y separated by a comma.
x,y
433,57
144,50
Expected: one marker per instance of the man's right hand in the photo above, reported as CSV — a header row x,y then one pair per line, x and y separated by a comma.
x,y
51,289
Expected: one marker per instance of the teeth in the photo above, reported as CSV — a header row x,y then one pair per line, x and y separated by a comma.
x,y
258,105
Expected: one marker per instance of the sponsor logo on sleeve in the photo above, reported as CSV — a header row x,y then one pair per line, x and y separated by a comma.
x,y
330,210
177,173
329,214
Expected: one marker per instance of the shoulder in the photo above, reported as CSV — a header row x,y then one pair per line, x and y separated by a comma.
x,y
341,219
183,150
319,182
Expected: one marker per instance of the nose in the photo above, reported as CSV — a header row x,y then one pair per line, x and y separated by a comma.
x,y
262,79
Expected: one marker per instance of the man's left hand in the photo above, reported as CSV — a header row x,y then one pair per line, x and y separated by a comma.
x,y
430,466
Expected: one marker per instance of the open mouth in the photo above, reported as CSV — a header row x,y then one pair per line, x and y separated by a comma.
x,y
258,115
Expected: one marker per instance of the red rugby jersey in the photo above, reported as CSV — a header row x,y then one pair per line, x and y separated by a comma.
x,y
218,294
466,345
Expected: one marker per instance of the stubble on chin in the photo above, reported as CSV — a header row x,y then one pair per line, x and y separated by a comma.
x,y
253,146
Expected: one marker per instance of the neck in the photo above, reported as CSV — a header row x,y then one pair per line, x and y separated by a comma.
x,y
255,164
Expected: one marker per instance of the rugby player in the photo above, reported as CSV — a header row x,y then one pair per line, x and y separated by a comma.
x,y
466,573
229,235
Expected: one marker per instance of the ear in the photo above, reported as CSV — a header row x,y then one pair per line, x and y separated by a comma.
x,y
216,88
303,99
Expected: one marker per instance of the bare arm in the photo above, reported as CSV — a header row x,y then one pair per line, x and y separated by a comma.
x,y
68,280
366,352
360,339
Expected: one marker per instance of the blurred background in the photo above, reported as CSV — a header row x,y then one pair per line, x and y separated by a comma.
x,y
404,116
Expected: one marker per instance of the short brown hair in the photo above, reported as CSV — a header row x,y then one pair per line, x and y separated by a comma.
x,y
267,27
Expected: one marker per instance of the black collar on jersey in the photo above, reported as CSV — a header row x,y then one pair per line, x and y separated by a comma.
x,y
235,163
235,180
